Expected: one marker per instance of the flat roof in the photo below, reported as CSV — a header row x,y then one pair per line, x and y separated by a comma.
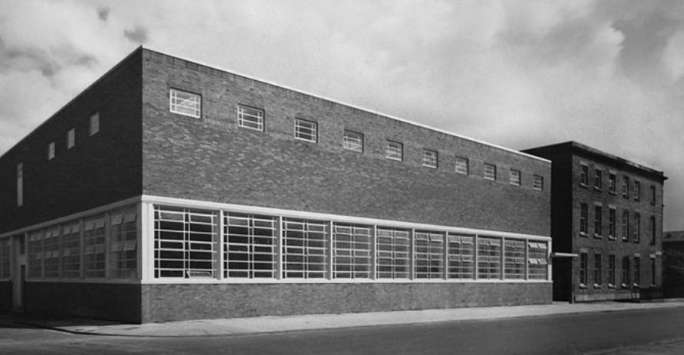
x,y
673,236
352,106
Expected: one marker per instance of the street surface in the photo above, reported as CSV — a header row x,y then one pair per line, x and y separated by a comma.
x,y
653,331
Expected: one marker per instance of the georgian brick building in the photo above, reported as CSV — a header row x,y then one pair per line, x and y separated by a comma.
x,y
607,224
173,190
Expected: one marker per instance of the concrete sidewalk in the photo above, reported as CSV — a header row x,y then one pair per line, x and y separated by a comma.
x,y
237,326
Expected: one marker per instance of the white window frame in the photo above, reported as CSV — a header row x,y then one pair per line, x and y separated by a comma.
x,y
430,158
392,253
489,172
306,130
250,117
462,166
305,245
190,105
353,141
394,150
515,177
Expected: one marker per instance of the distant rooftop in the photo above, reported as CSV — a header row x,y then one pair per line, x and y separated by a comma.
x,y
673,236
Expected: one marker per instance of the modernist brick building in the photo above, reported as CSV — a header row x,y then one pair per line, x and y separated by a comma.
x,y
607,218
173,190
673,264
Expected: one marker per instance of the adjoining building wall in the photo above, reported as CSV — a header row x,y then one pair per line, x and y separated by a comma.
x,y
5,296
167,302
215,160
108,301
98,169
673,264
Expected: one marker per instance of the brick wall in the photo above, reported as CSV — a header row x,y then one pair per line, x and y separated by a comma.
x,y
196,301
213,159
100,169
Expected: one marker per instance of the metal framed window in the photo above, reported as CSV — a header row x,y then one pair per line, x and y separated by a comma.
x,y
392,253
488,258
394,151
515,177
429,255
537,260
5,258
538,182
71,250
51,151
351,251
71,138
637,227
94,123
305,249
598,221
51,253
461,254
251,246
611,270
185,103
430,158
250,117
489,171
583,270
94,247
306,130
352,141
20,184
35,254
625,225
611,222
514,259
123,244
461,165
584,219
185,242
598,179
598,270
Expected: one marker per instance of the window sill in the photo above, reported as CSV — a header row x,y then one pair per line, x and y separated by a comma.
x,y
597,286
583,234
583,185
625,239
597,236
597,189
611,286
582,286
612,192
611,238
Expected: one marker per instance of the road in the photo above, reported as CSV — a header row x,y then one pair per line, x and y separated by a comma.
x,y
658,331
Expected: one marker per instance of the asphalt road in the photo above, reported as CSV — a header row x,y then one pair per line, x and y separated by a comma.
x,y
633,332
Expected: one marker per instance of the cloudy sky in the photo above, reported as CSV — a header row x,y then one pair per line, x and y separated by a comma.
x,y
609,74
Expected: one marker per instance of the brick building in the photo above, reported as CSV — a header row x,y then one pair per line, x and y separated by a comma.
x,y
173,190
606,224
673,264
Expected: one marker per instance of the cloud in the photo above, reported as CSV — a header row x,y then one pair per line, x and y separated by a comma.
x,y
137,35
103,13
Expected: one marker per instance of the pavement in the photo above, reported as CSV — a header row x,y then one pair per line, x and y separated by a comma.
x,y
279,324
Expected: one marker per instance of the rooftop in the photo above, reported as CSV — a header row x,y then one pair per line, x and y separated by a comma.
x,y
673,236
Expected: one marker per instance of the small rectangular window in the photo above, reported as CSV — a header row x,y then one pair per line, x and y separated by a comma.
x,y
353,141
598,270
489,171
250,117
583,270
51,151
430,158
461,165
515,178
584,175
598,179
94,123
584,219
637,190
20,184
394,151
598,221
185,103
612,183
71,138
306,130
538,182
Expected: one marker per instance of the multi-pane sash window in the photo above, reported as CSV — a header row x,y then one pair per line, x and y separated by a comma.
x,y
489,258
461,249
652,228
94,247
305,249
71,138
598,271
612,183
653,195
637,190
51,151
515,178
637,227
353,141
251,246
430,158
351,251
598,179
598,221
94,123
71,250
306,130
51,252
538,260
584,175
123,244
489,171
429,255
625,225
4,258
625,271
514,259
653,271
185,242
394,151
35,254
611,222
20,184
250,117
584,219
392,250
611,270
625,187
538,182
637,271
185,103
461,165
583,270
